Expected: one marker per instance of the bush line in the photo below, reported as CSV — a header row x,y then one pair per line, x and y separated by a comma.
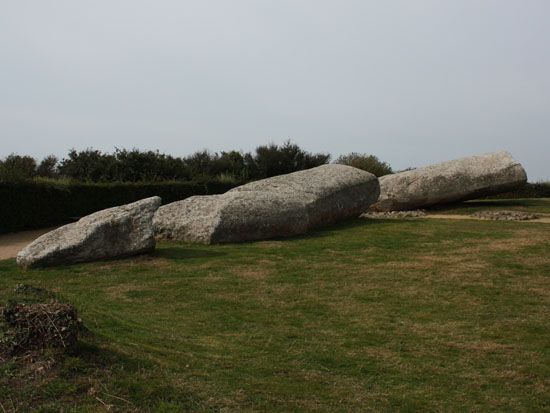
x,y
530,190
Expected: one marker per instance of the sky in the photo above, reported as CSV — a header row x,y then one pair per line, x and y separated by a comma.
x,y
413,82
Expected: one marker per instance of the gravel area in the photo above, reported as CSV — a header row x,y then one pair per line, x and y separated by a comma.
x,y
505,215
418,213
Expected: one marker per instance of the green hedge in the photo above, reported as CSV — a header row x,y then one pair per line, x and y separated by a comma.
x,y
530,190
35,204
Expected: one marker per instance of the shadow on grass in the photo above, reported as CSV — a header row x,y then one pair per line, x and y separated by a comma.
x,y
93,377
328,230
177,253
141,383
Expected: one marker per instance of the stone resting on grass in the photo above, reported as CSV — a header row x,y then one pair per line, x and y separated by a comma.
x,y
280,206
115,232
458,180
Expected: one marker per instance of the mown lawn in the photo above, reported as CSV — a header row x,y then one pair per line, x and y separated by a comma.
x,y
383,315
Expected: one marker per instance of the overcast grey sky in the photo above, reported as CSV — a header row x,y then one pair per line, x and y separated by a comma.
x,y
414,82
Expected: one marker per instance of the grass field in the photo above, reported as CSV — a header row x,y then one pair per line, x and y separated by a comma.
x,y
383,315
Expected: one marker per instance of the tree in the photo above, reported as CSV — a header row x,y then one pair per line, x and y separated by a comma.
x,y
369,163
89,165
142,166
231,164
201,163
276,159
17,168
47,167
148,166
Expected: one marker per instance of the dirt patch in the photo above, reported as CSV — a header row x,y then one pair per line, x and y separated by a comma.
x,y
11,244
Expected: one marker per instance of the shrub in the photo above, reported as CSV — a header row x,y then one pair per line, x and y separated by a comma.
x,y
227,178
369,163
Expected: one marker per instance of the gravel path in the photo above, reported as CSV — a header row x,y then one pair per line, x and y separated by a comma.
x,y
11,244
541,219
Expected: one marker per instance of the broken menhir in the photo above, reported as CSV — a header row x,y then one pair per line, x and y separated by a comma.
x,y
280,206
453,181
115,232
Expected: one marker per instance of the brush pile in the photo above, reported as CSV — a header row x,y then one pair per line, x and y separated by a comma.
x,y
37,320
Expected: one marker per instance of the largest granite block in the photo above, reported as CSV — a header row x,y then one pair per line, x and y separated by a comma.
x,y
453,181
281,206
114,232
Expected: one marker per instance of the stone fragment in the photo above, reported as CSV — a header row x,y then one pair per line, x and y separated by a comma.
x,y
115,232
280,206
453,181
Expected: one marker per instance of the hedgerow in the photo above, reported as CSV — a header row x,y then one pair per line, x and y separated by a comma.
x,y
39,204
530,190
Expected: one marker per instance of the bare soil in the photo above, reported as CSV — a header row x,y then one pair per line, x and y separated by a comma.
x,y
11,244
